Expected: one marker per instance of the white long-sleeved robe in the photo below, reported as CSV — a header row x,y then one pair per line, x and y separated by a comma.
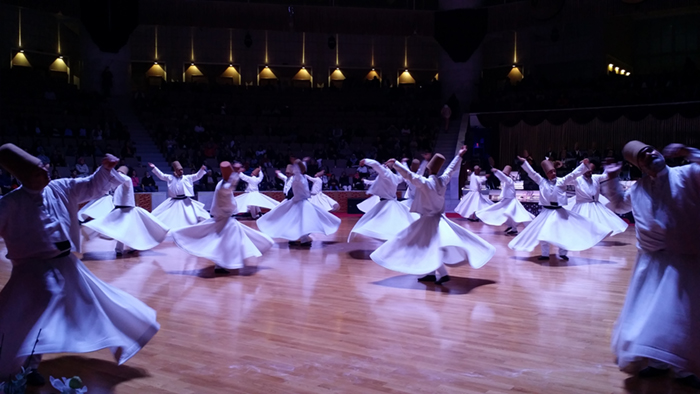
x,y
589,206
221,238
556,225
660,319
179,209
252,200
319,198
508,210
295,219
474,200
128,224
433,240
75,311
388,217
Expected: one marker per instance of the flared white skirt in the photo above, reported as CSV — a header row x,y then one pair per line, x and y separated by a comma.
x,y
430,242
386,220
508,208
134,227
660,317
180,213
96,209
75,311
561,228
597,213
367,204
293,219
225,242
324,202
472,202
254,199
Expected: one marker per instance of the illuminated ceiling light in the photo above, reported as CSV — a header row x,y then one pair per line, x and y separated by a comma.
x,y
337,75
627,74
20,60
610,67
617,70
60,57
156,63
622,71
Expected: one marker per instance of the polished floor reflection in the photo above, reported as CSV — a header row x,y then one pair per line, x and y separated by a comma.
x,y
328,319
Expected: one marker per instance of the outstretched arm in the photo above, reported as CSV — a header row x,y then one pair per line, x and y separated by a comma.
x,y
537,178
158,173
570,178
620,201
447,174
195,177
410,177
97,184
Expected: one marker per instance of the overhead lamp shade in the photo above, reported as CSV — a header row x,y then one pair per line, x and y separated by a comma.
x,y
302,75
337,75
406,79
58,66
515,75
192,70
230,72
267,73
370,75
20,60
155,71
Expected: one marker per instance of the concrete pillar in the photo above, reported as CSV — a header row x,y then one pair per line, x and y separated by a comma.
x,y
95,61
460,79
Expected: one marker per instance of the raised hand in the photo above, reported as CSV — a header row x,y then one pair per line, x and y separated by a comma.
x,y
463,150
613,170
151,165
110,161
203,167
522,160
586,162
675,150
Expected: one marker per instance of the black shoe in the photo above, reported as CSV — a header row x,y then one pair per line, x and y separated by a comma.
x,y
35,379
305,244
442,280
512,232
508,229
293,243
219,270
690,381
427,278
651,372
542,258
564,257
473,220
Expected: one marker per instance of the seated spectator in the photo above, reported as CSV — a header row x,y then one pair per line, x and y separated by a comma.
x,y
135,181
41,156
333,183
55,174
148,184
81,168
345,182
363,171
357,183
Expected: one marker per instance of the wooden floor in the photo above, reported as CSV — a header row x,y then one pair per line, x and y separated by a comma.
x,y
329,320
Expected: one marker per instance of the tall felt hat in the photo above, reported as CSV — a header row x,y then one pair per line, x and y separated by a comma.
x,y
631,151
507,170
547,165
435,163
18,162
415,164
176,165
289,169
302,166
226,170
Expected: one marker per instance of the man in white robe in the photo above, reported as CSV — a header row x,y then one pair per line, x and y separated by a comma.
x,y
127,223
179,209
426,245
474,200
252,200
508,210
51,296
287,178
659,325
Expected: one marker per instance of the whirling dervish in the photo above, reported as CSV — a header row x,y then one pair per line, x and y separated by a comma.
x,y
473,201
508,210
221,238
252,200
318,197
179,209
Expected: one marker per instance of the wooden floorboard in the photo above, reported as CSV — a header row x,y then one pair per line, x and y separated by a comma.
x,y
329,320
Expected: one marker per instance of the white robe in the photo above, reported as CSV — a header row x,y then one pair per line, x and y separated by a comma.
x,y
474,200
129,224
589,206
75,311
180,212
96,209
252,196
433,240
508,209
298,217
387,218
319,198
221,238
661,315
555,225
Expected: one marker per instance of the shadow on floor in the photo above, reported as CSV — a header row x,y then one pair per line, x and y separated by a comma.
x,y
554,261
457,285
208,272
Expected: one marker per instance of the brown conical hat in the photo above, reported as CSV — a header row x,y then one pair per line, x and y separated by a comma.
x,y
631,151
435,163
255,172
176,165
289,169
547,165
226,170
123,169
18,162
507,170
302,166
415,164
